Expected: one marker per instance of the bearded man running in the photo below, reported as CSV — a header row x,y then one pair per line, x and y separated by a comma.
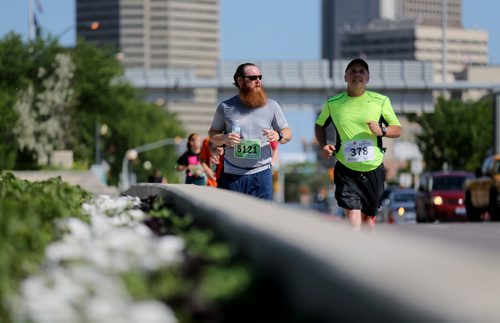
x,y
244,125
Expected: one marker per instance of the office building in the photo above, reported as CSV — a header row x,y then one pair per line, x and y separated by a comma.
x,y
410,39
340,16
156,34
162,37
403,30
429,11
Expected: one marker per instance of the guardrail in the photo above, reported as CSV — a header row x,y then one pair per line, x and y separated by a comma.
x,y
331,273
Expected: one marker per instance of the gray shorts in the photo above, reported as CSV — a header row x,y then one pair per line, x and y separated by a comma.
x,y
359,190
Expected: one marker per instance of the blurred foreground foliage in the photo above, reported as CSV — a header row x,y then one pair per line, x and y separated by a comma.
x,y
28,212
215,282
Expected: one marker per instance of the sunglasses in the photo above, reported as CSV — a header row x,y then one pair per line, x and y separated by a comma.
x,y
253,77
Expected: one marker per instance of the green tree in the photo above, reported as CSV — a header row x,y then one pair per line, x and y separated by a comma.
x,y
304,177
457,134
13,79
53,97
103,97
43,123
23,69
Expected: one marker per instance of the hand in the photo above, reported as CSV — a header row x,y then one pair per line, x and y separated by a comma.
x,y
210,173
374,127
232,139
215,150
328,151
219,151
272,135
215,159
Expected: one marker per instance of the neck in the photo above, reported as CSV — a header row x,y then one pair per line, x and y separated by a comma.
x,y
355,91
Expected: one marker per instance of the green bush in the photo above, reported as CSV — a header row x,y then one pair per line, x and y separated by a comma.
x,y
215,282
28,212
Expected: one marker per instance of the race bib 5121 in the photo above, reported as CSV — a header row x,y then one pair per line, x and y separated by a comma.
x,y
248,148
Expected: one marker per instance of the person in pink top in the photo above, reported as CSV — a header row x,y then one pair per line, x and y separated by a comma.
x,y
189,161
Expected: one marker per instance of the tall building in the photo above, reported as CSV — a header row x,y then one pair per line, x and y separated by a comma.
x,y
156,34
340,16
411,39
430,11
164,38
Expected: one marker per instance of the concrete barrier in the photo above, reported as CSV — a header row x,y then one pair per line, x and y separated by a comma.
x,y
331,273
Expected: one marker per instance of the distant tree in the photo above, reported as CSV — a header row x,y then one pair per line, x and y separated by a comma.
x,y
53,97
20,81
43,124
457,134
104,97
304,176
13,79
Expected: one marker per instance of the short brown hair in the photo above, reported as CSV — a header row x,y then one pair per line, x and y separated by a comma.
x,y
240,71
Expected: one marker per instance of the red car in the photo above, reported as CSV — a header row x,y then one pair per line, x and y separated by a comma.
x,y
440,196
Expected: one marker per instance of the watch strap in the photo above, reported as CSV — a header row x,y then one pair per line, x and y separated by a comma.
x,y
280,135
384,130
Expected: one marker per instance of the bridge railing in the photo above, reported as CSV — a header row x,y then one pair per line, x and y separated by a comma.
x,y
334,274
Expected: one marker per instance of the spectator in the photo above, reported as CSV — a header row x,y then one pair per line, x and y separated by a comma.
x,y
157,177
189,161
212,161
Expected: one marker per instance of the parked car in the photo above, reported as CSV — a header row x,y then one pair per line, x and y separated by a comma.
x,y
482,194
399,206
441,197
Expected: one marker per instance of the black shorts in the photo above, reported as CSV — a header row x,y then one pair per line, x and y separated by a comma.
x,y
359,190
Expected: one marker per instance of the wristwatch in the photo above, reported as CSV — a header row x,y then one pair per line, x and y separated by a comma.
x,y
384,130
280,135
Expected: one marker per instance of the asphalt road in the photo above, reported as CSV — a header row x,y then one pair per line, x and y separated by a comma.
x,y
484,236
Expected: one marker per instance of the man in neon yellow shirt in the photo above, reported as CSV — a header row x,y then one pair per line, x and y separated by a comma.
x,y
361,119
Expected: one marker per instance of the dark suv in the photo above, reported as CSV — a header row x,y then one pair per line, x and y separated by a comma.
x,y
441,197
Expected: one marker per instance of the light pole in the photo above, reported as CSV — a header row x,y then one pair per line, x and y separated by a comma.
x,y
92,25
132,154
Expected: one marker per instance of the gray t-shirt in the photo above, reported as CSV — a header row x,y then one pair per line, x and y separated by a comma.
x,y
248,158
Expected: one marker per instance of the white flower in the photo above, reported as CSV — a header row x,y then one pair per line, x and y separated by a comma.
x,y
80,281
151,312
105,310
100,224
63,250
143,231
46,303
78,229
169,249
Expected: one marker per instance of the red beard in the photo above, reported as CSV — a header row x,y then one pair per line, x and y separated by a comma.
x,y
254,98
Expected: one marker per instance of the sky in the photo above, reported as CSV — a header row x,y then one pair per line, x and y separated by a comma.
x,y
250,30
258,29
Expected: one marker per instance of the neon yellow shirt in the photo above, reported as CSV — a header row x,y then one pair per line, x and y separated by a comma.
x,y
359,149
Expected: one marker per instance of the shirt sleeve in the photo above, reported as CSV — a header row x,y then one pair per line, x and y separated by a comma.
x,y
389,114
279,121
218,120
182,160
205,151
323,116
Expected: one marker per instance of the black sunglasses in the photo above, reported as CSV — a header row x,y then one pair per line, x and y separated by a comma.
x,y
253,77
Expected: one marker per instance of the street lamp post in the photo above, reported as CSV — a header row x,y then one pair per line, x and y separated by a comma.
x,y
92,25
132,154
